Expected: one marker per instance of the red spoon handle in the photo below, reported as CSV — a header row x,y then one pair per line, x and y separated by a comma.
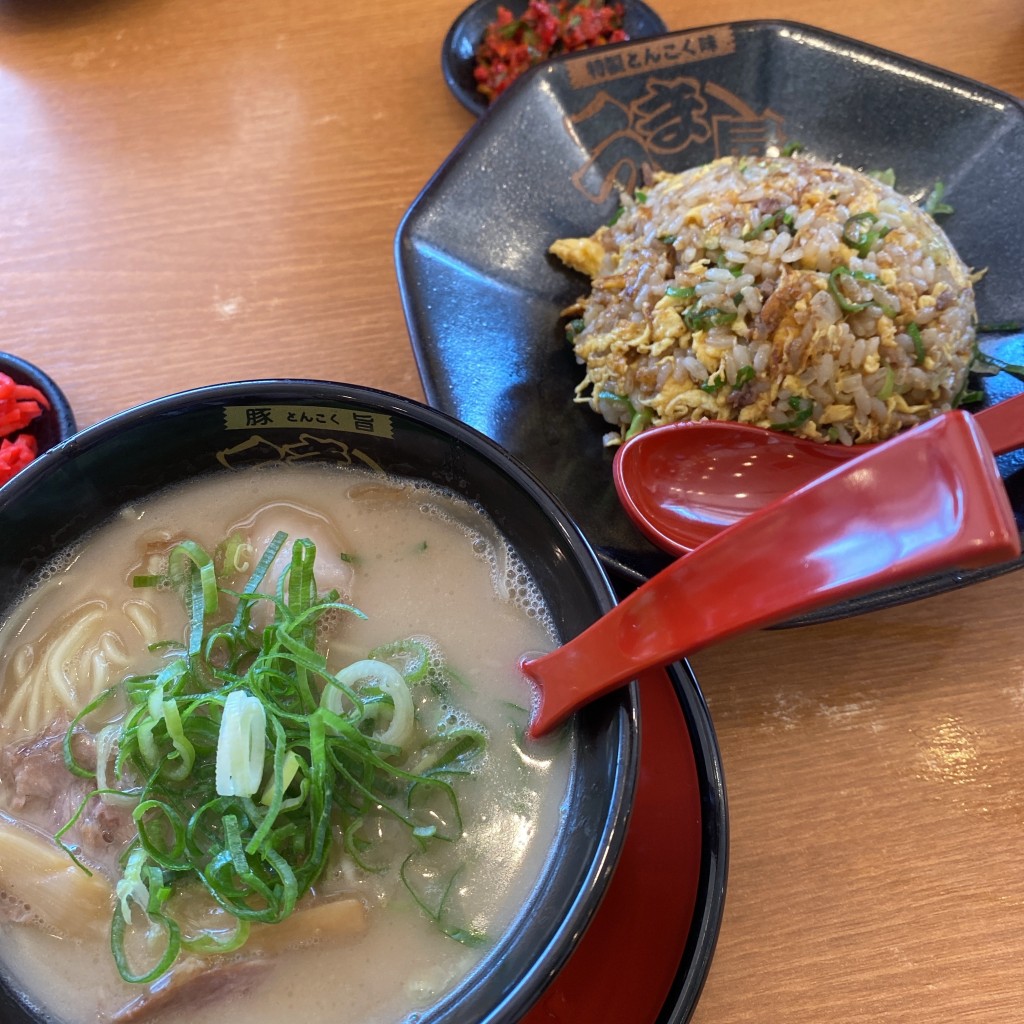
x,y
929,500
1003,424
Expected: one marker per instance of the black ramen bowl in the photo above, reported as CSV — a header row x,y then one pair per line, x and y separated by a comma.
x,y
55,424
222,428
458,54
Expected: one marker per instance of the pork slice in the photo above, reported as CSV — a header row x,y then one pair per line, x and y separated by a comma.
x,y
191,983
40,791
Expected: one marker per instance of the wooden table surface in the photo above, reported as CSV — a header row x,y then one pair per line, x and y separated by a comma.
x,y
198,192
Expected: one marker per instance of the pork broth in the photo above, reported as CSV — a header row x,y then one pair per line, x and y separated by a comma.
x,y
419,564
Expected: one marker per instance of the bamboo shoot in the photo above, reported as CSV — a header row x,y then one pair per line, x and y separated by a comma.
x,y
40,885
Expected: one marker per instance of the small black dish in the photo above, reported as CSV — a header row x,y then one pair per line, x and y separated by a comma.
x,y
467,31
55,424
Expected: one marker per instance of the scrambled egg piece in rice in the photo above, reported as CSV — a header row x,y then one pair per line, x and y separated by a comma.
x,y
787,292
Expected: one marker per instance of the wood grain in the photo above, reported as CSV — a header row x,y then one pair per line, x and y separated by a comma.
x,y
192,193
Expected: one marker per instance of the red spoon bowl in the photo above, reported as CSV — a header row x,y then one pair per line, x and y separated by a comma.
x,y
683,483
927,501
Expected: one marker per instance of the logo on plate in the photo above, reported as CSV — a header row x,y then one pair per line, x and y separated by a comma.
x,y
674,113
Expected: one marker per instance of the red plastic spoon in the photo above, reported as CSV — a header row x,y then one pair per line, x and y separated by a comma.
x,y
683,483
927,501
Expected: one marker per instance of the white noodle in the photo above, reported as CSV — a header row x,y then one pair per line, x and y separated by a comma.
x,y
113,649
143,617
99,671
66,669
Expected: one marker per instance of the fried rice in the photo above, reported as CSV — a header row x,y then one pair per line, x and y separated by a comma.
x,y
786,291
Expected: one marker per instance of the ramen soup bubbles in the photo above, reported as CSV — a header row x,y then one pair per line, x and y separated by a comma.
x,y
261,752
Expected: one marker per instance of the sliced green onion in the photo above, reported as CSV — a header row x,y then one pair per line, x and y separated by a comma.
x,y
859,232
774,220
390,682
453,752
130,887
933,204
703,319
216,943
241,745
170,927
438,913
968,398
640,421
235,554
291,764
412,655
723,262
1014,369
183,748
191,753
845,304
185,560
191,749
802,408
915,336
155,845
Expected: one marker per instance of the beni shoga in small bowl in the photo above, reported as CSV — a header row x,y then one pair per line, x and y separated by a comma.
x,y
231,694
494,41
34,414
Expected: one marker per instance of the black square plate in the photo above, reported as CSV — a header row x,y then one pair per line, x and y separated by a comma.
x,y
483,299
